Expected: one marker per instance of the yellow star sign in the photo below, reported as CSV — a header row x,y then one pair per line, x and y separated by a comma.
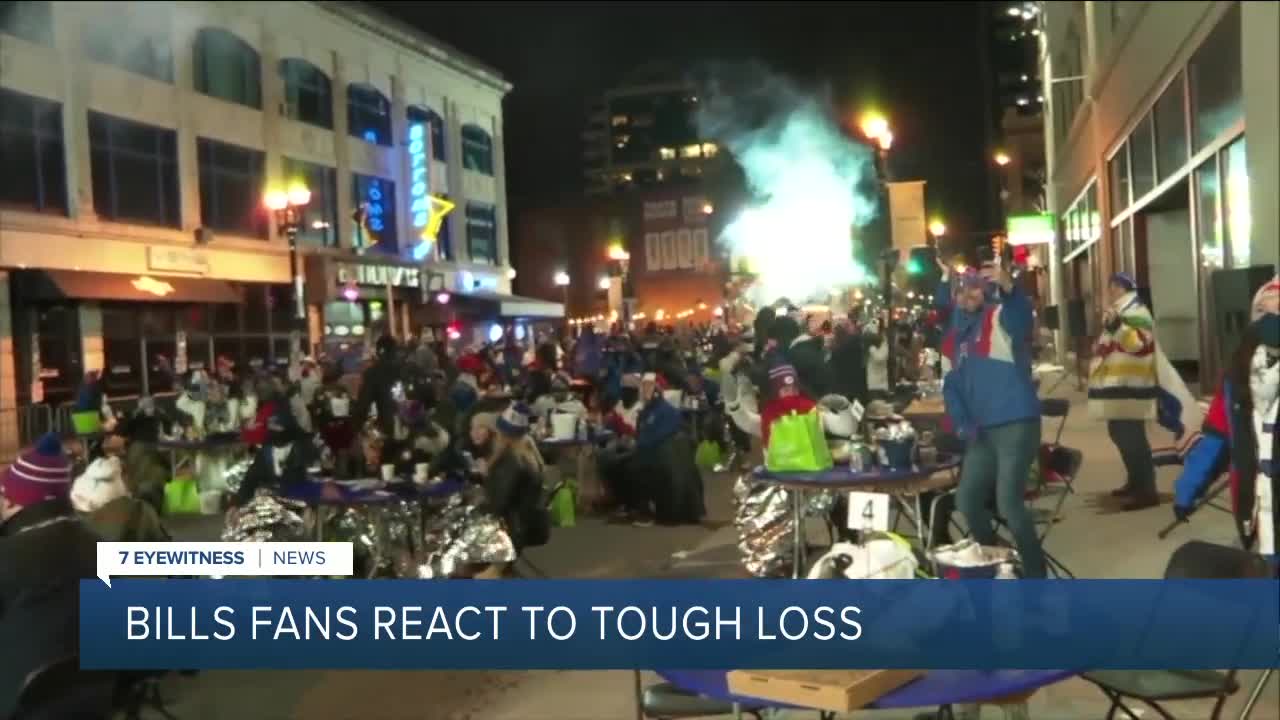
x,y
439,209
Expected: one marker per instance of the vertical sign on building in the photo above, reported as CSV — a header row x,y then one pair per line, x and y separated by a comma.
x,y
419,182
906,214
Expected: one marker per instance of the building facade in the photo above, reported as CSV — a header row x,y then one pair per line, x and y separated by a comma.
x,y
644,134
138,140
1161,138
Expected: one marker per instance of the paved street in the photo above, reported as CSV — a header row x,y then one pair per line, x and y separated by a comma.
x,y
1092,543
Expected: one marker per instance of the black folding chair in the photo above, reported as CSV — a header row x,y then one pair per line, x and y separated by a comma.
x,y
62,691
1198,560
1058,408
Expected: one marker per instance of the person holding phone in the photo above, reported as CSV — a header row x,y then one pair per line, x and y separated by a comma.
x,y
991,403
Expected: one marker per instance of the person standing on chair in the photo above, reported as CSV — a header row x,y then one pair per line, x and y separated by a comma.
x,y
1123,387
992,405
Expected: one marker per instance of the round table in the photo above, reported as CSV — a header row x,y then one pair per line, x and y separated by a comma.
x,y
312,494
907,481
936,688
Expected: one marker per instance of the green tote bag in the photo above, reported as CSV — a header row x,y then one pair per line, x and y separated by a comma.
x,y
798,444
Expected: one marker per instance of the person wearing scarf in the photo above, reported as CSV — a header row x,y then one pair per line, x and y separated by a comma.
x,y
1240,431
992,405
1123,386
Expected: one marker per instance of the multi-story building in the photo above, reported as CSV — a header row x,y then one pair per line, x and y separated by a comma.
x,y
643,134
1163,151
137,140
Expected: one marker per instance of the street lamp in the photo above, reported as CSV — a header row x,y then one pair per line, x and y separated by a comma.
x,y
617,253
937,228
874,125
286,207
561,280
1002,158
605,283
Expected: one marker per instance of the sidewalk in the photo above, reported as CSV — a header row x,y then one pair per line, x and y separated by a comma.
x,y
1093,545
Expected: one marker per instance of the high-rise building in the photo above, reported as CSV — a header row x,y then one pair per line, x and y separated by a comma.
x,y
643,134
1162,154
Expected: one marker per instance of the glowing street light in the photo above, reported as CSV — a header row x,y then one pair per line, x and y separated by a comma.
x,y
937,228
605,283
618,253
286,207
561,279
885,140
874,126
708,208
1002,158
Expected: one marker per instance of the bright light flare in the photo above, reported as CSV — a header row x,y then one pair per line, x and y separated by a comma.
x,y
299,195
618,253
1002,158
937,228
561,279
275,200
874,125
885,140
605,283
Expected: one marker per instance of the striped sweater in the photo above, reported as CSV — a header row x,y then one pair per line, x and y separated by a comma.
x,y
1122,378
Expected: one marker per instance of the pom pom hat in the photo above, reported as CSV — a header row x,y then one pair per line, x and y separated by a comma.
x,y
39,474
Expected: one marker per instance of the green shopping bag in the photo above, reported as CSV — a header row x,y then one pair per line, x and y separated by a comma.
x,y
564,505
182,497
707,455
798,444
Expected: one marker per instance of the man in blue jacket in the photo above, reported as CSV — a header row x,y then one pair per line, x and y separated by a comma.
x,y
992,404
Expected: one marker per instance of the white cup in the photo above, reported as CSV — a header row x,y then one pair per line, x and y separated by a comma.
x,y
388,473
420,472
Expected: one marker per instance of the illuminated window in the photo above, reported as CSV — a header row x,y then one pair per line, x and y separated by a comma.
x,y
368,114
320,217
709,149
434,123
619,120
667,153
691,151
379,198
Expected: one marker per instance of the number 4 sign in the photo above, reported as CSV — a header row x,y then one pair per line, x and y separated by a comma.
x,y
868,511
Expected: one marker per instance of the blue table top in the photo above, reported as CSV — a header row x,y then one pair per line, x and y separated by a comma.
x,y
311,493
934,689
843,476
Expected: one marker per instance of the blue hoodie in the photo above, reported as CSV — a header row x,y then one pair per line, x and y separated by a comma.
x,y
987,362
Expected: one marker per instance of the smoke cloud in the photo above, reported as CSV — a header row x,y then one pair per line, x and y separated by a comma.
x,y
809,185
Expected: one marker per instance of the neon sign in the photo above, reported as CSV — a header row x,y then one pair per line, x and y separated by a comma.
x,y
419,204
373,194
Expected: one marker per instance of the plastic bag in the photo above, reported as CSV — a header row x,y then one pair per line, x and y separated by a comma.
x,y
708,454
797,443
182,497
879,558
563,506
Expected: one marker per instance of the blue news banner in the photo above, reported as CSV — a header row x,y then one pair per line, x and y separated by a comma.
x,y
693,624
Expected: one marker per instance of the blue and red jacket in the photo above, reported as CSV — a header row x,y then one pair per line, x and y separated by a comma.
x,y
987,363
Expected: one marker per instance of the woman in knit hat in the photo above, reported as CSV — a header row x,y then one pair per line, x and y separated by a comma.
x,y
1123,386
513,481
44,552
1240,428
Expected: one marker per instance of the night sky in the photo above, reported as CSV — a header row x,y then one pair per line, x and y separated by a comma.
x,y
917,61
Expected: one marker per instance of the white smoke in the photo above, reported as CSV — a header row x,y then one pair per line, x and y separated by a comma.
x,y
810,186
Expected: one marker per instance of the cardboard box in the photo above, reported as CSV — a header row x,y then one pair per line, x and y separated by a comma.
x,y
830,690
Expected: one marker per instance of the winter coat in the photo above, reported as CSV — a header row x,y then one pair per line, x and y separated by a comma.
x,y
987,363
127,519
659,421
588,355
45,550
1122,375
100,483
513,493
878,366
262,472
671,478
1229,443
847,368
375,393
255,433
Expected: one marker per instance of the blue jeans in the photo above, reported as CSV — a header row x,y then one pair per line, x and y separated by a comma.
x,y
997,462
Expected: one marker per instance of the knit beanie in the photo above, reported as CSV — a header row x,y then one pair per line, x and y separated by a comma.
x,y
780,377
514,421
39,474
1124,281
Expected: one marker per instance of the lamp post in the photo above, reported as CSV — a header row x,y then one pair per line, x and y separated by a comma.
x,y
286,207
619,254
561,280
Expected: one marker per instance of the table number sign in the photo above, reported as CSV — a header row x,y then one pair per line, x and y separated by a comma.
x,y
868,511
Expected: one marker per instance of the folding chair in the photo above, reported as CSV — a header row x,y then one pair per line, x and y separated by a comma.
x,y
1198,560
1056,408
1059,466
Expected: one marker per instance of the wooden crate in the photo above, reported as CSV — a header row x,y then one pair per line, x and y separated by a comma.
x,y
831,690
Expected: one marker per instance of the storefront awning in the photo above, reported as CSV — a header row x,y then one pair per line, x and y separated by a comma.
x,y
516,306
69,285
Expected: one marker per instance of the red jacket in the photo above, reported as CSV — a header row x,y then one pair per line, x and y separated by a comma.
x,y
256,434
778,407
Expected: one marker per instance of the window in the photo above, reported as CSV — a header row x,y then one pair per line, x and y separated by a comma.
x,y
435,128
307,94
1208,222
368,115
477,150
1235,203
1171,129
667,153
444,240
34,173
31,21
482,233
1142,166
231,182
619,120
320,218
227,68
1082,223
709,150
122,350
135,171
1214,72
1068,93
1118,170
691,151
111,40
378,196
